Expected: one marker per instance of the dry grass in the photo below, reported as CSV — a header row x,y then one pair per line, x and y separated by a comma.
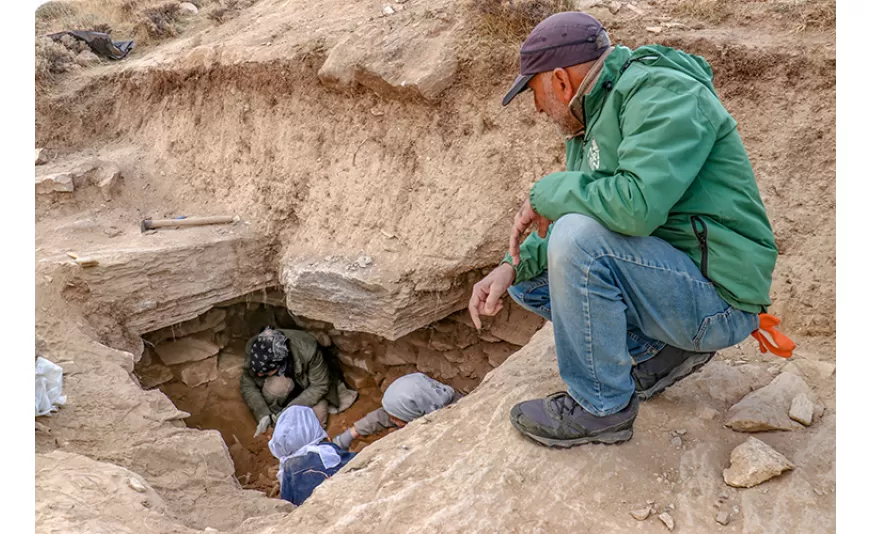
x,y
512,20
147,22
713,11
816,15
159,22
52,59
228,9
797,15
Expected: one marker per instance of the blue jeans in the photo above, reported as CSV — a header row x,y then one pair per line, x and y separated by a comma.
x,y
615,301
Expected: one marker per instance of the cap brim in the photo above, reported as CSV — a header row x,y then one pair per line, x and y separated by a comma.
x,y
520,85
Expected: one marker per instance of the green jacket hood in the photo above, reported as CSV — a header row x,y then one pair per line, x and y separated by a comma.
x,y
691,65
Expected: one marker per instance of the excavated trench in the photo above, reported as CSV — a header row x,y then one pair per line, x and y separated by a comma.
x,y
197,365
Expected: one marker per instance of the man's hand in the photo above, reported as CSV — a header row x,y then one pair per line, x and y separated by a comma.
x,y
264,423
523,219
485,298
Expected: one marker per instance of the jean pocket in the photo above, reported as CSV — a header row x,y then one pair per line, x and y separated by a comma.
x,y
719,331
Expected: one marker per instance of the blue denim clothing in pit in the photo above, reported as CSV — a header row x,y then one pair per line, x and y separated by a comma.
x,y
304,473
615,301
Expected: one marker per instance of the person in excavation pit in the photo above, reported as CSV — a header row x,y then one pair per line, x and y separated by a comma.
x,y
305,456
407,398
653,249
287,368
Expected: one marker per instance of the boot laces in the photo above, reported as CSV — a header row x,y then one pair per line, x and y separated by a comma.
x,y
563,405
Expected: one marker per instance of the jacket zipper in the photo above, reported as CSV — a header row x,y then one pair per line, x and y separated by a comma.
x,y
701,235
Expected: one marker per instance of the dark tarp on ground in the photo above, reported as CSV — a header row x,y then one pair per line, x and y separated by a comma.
x,y
100,43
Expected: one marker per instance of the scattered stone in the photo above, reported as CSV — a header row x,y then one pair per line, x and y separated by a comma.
x,y
395,355
815,370
353,361
614,7
113,231
641,513
361,263
768,407
199,373
802,410
448,370
41,157
358,380
213,320
677,442
86,58
151,376
187,349
515,324
754,462
106,179
420,60
188,8
666,518
650,502
680,432
230,364
818,492
61,182
723,518
496,353
388,10
654,29
137,485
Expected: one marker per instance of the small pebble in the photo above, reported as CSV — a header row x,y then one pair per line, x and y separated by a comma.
x,y
819,492
136,485
650,502
723,518
681,432
642,513
666,518
677,442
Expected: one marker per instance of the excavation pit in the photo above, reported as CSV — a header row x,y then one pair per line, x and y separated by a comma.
x,y
197,364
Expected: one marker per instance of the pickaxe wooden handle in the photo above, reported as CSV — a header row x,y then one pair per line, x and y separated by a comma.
x,y
149,224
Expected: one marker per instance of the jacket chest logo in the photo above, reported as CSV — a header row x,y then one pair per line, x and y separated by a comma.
x,y
593,156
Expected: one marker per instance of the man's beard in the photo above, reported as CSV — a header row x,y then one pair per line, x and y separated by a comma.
x,y
566,123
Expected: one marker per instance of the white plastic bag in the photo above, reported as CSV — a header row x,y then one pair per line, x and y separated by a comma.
x,y
49,386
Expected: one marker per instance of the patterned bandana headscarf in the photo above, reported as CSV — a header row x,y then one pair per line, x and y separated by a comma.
x,y
270,351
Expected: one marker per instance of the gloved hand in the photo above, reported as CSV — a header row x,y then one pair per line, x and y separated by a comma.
x,y
344,439
264,423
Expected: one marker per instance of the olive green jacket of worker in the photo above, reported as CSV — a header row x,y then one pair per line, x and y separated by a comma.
x,y
311,374
662,157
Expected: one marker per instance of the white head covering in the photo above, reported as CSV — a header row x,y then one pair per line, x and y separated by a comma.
x,y
415,395
297,433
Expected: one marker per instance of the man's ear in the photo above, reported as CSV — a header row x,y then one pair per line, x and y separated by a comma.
x,y
562,87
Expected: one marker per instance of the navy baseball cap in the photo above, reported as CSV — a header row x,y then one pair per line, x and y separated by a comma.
x,y
559,41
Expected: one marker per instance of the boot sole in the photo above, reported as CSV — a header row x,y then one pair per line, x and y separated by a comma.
x,y
608,438
689,366
605,439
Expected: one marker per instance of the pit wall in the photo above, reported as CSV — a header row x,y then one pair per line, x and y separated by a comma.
x,y
200,350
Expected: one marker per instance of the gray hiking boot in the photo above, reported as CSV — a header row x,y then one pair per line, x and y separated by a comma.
x,y
558,421
665,369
